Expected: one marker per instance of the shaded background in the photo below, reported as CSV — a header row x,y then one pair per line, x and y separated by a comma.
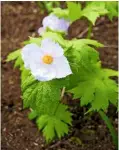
x,y
20,20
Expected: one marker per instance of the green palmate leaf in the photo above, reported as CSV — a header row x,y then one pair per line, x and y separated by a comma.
x,y
93,10
33,40
110,72
49,6
82,54
83,59
41,96
82,50
82,42
61,13
97,89
16,55
24,73
112,8
13,55
32,115
18,62
56,124
74,10
88,57
44,99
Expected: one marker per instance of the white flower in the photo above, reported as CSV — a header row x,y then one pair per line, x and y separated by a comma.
x,y
47,61
54,23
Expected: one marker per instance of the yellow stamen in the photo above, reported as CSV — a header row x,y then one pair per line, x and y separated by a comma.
x,y
47,59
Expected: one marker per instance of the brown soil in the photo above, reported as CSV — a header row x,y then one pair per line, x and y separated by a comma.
x,y
20,20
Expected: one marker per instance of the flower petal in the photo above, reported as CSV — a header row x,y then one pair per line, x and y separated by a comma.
x,y
50,21
63,25
62,67
43,72
41,30
49,47
31,53
55,23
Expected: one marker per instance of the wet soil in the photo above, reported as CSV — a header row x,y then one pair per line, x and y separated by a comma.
x,y
20,20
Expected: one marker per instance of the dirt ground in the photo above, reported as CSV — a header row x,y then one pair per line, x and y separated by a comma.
x,y
20,20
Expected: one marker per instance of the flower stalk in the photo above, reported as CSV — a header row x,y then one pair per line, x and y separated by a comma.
x,y
89,30
110,127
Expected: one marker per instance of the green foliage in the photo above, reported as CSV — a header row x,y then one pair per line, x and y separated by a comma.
x,y
83,59
24,73
49,5
16,55
32,115
18,62
97,89
56,124
112,8
91,11
82,55
61,13
82,42
13,55
33,40
74,10
41,97
36,93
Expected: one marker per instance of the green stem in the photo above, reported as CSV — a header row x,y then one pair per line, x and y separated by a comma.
x,y
62,95
89,30
110,127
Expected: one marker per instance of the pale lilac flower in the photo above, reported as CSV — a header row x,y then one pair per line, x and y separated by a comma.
x,y
41,31
54,23
47,61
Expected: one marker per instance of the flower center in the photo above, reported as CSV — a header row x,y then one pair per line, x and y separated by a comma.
x,y
47,59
